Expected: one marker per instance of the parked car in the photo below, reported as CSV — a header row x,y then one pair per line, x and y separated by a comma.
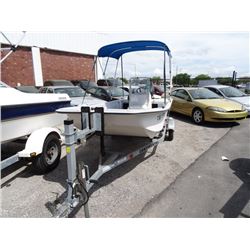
x,y
84,84
28,89
76,82
161,86
204,105
108,93
109,82
58,83
232,94
104,82
157,90
244,87
75,93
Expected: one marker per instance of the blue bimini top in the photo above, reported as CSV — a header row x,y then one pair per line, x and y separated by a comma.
x,y
116,50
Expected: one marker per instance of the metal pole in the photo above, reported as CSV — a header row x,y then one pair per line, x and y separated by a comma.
x,y
94,69
100,65
6,38
105,68
164,78
176,77
122,74
100,131
116,67
13,48
86,206
170,72
82,178
71,156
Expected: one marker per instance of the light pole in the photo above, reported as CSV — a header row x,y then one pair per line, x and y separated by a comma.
x,y
176,75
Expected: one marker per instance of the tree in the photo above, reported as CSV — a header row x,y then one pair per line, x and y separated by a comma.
x,y
200,77
156,79
243,79
124,80
224,80
182,79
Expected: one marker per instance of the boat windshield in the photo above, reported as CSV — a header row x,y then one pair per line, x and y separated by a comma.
x,y
232,92
72,92
140,82
137,81
203,94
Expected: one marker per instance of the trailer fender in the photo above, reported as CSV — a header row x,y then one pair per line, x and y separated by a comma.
x,y
34,144
170,124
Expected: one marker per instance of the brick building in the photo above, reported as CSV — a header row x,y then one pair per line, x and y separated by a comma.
x,y
33,65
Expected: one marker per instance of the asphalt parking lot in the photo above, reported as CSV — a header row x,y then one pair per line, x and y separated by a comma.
x,y
124,192
211,187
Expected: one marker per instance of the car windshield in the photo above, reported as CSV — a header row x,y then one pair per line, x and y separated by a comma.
x,y
28,89
58,83
3,85
232,92
203,94
87,83
115,81
118,92
72,92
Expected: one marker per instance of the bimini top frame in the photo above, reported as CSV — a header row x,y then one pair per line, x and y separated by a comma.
x,y
117,50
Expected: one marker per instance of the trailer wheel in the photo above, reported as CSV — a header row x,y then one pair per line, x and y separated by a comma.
x,y
50,156
169,135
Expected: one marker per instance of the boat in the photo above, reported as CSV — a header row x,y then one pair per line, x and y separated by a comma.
x,y
139,115
22,113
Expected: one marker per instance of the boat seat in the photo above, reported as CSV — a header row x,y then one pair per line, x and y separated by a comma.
x,y
140,99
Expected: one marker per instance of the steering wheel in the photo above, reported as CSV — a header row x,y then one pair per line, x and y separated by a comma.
x,y
140,90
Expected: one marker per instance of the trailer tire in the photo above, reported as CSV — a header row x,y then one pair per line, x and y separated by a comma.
x,y
169,135
50,156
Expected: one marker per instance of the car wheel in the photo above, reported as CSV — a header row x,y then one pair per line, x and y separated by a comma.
x,y
198,116
50,156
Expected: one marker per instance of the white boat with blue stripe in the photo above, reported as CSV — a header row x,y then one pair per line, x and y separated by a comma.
x,y
22,113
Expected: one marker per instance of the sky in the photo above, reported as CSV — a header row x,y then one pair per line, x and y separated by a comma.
x,y
215,54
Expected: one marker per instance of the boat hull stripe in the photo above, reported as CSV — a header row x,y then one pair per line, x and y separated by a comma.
x,y
10,112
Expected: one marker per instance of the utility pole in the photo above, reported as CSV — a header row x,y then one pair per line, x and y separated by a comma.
x,y
176,75
234,78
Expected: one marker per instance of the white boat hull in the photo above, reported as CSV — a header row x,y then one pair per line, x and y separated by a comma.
x,y
140,124
17,128
126,122
23,113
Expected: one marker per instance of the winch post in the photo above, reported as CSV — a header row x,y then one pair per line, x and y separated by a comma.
x,y
69,134
77,175
99,114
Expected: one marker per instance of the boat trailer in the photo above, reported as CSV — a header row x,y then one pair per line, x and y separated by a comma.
x,y
79,181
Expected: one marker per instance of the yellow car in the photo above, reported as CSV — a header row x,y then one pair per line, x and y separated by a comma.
x,y
204,105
